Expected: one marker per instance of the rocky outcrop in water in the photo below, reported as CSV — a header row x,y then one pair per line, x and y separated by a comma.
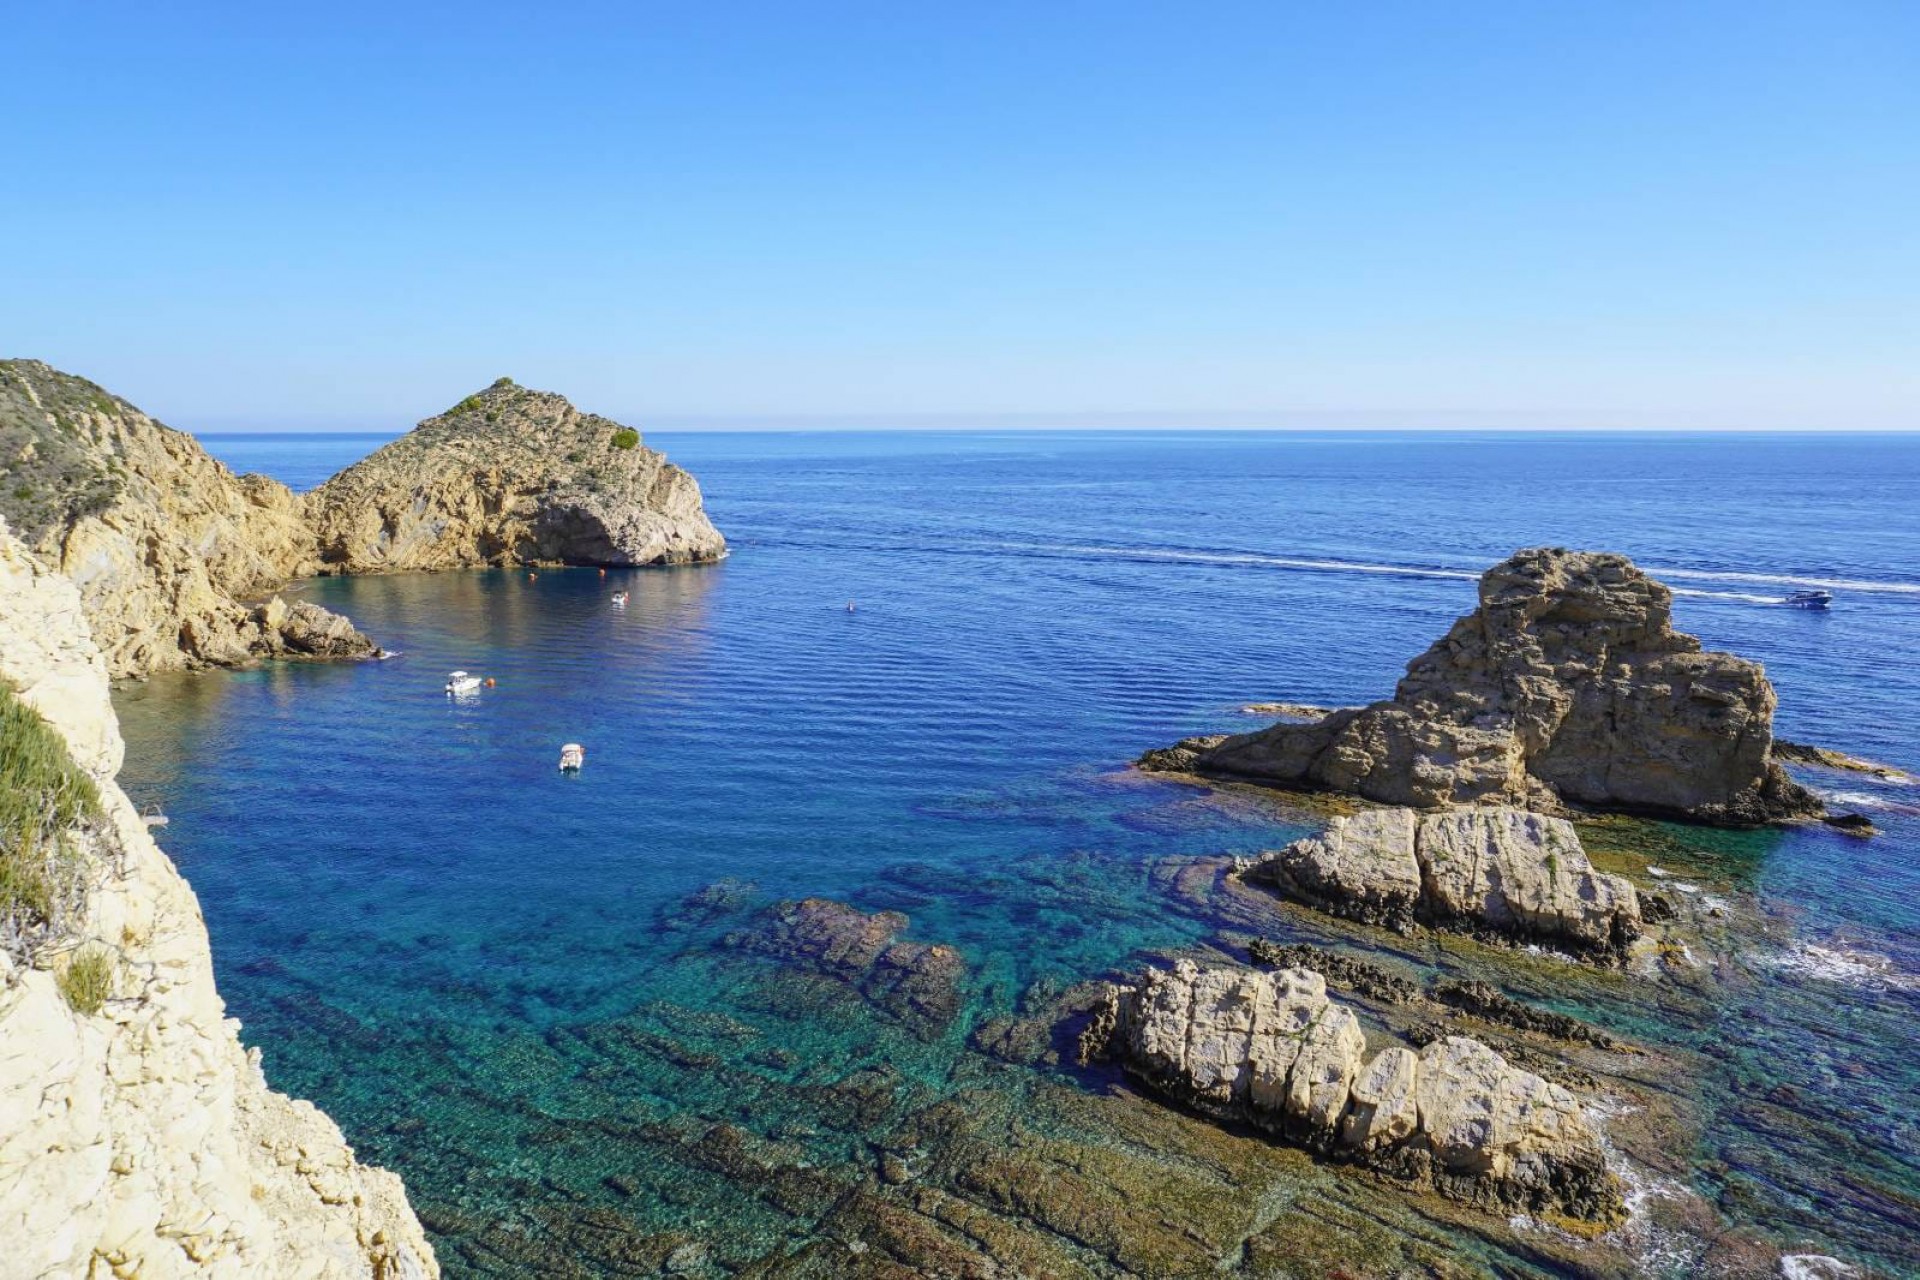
x,y
1568,685
137,1136
1488,868
163,542
1271,1050
918,983
511,476
172,552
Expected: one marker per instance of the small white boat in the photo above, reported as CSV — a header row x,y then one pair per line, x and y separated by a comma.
x,y
620,599
572,757
153,816
461,682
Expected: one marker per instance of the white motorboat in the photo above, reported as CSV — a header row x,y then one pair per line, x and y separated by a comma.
x,y
461,682
572,757
619,599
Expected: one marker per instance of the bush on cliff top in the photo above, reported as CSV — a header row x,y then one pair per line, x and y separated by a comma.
x,y
625,438
44,797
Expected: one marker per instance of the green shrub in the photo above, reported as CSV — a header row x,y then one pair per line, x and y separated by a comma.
x,y
87,981
502,382
625,438
44,796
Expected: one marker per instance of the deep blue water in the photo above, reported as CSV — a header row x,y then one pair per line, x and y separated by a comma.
x,y
393,880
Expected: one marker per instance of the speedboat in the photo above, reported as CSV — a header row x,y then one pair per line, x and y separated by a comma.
x,y
461,682
1809,600
572,757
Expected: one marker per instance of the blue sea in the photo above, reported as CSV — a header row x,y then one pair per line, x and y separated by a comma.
x,y
916,684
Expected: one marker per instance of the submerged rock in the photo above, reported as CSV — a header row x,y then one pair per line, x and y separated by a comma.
x,y
1487,868
1271,1050
918,983
1567,685
511,476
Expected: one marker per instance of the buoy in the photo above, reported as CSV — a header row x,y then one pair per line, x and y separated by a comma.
x,y
489,682
603,573
533,577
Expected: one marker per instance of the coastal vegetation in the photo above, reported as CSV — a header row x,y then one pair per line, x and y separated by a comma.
x,y
87,981
46,802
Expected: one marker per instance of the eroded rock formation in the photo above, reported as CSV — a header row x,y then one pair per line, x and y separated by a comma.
x,y
163,542
141,1138
1568,685
919,983
1484,868
173,553
510,476
1271,1050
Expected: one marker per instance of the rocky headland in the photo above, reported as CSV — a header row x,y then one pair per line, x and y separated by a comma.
x,y
170,551
1270,1049
511,476
177,559
137,1136
1482,869
1567,686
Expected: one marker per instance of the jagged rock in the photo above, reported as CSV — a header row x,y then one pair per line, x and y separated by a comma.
x,y
162,540
511,476
141,1138
917,982
1490,867
1270,1050
1568,684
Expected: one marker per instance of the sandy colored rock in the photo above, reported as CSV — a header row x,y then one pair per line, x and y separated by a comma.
x,y
1270,1049
511,476
919,983
142,1139
1567,685
163,542
1493,867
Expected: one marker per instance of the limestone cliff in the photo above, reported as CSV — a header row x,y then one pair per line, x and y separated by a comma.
x,y
137,1136
163,542
1568,684
511,476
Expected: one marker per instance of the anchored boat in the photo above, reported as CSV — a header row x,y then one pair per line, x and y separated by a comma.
x,y
620,599
461,682
572,757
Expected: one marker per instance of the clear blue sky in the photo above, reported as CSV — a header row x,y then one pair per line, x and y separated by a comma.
x,y
1667,213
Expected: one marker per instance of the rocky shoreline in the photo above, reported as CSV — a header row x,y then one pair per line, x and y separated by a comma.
x,y
177,559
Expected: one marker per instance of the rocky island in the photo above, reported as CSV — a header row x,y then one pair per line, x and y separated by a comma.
x,y
1568,686
176,558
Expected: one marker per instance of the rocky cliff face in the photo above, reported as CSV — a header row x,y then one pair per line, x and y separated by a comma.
x,y
163,542
172,552
1271,1050
1567,684
511,476
140,1138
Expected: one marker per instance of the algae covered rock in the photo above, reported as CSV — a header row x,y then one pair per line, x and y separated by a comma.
x,y
919,983
1272,1050
511,476
1568,684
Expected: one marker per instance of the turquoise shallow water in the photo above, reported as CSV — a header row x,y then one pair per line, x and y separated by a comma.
x,y
438,938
